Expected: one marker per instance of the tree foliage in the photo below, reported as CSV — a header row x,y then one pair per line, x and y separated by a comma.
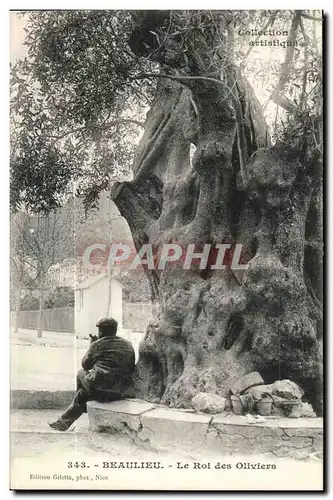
x,y
76,113
60,297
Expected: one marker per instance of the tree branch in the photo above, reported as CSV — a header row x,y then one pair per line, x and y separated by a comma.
x,y
277,95
97,41
178,78
285,68
305,71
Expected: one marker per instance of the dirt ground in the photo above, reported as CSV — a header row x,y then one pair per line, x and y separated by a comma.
x,y
50,362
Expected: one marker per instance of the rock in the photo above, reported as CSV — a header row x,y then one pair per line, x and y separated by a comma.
x,y
280,390
295,412
249,380
208,402
307,410
287,389
254,419
259,391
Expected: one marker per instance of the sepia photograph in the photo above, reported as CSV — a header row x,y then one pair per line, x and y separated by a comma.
x,y
166,250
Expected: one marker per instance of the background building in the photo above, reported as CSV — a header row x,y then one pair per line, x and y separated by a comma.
x,y
95,298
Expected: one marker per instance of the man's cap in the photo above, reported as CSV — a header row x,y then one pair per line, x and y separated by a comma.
x,y
105,322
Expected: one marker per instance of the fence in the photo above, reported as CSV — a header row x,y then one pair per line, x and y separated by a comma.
x,y
54,320
136,316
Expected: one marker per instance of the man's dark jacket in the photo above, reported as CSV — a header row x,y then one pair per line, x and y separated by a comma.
x,y
110,362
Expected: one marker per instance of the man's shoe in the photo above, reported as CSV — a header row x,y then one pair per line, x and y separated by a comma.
x,y
59,425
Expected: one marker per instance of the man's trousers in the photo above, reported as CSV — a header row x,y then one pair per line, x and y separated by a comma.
x,y
83,394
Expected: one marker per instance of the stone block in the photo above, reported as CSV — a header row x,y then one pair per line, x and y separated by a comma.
x,y
121,417
208,402
128,406
233,435
249,380
172,428
301,424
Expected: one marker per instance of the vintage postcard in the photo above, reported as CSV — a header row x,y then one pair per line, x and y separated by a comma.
x,y
166,250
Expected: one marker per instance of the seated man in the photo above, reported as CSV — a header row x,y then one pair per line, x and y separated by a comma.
x,y
107,372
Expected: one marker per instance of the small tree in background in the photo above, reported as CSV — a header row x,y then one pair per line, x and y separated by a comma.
x,y
40,240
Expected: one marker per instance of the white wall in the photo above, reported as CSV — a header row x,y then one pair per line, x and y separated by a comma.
x,y
94,302
116,306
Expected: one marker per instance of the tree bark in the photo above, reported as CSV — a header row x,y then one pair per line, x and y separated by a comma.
x,y
212,327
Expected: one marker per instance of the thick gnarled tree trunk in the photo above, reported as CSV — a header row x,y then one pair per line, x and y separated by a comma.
x,y
212,327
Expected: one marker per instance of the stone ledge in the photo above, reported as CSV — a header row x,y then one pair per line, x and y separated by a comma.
x,y
128,406
159,427
166,427
292,423
122,417
40,400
